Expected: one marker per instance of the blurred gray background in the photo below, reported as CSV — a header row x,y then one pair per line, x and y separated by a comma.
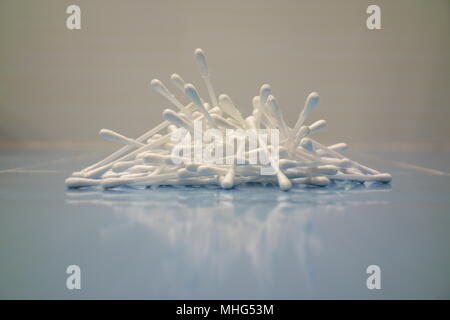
x,y
382,89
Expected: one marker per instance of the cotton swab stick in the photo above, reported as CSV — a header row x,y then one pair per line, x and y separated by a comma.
x,y
100,170
117,137
381,177
124,165
119,153
125,149
317,126
319,181
338,155
339,147
204,71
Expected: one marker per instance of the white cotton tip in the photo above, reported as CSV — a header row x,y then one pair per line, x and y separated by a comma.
x,y
176,119
196,114
206,170
339,147
192,94
327,169
341,163
311,102
192,167
304,131
178,81
383,177
97,172
153,158
274,107
319,181
172,128
184,173
307,144
113,182
111,174
228,181
110,135
78,174
228,107
351,171
200,57
283,181
215,110
287,163
250,122
256,102
317,126
159,87
264,93
76,182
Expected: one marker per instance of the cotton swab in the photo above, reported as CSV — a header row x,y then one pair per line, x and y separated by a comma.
x,y
192,93
276,111
204,71
311,102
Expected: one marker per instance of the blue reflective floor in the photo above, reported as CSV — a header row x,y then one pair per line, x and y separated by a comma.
x,y
250,242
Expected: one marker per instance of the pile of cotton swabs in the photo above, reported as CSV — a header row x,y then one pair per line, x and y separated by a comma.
x,y
148,161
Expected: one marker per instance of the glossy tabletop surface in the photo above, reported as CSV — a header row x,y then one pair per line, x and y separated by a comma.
x,y
205,243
